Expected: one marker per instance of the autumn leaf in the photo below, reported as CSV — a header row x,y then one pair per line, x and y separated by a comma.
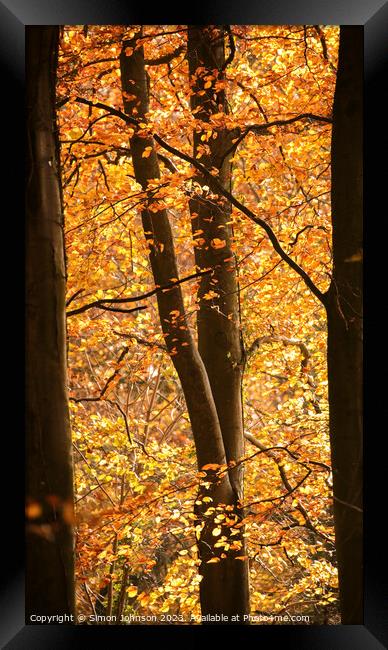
x,y
136,442
218,243
209,295
131,591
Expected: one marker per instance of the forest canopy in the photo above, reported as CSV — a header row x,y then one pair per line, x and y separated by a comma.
x,y
196,190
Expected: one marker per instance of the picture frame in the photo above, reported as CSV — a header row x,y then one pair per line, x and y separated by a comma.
x,y
14,16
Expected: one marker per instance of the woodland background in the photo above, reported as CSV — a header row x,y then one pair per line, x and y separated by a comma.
x,y
162,260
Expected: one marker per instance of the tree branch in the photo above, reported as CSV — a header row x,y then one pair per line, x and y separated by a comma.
x,y
101,304
280,339
94,475
139,339
308,523
262,129
73,297
165,58
240,206
232,47
282,497
223,191
123,353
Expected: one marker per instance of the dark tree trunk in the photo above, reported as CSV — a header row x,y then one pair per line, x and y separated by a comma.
x,y
221,593
219,334
49,475
344,314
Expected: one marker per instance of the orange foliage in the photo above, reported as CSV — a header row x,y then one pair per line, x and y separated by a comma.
x,y
136,474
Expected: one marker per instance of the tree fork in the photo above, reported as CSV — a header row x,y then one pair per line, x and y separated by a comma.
x,y
219,592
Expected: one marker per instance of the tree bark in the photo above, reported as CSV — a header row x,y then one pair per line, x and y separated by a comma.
x,y
220,592
49,475
344,315
218,319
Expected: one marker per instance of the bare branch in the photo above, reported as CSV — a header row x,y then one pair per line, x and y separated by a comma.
x,y
101,304
73,297
123,353
308,523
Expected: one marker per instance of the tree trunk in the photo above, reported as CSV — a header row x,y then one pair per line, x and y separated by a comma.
x,y
219,333
220,593
49,475
344,314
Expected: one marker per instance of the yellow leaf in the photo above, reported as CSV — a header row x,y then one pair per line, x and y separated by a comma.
x,y
147,152
241,557
144,598
208,296
216,532
208,84
131,591
213,560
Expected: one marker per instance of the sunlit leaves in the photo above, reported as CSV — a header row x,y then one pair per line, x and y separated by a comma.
x,y
218,243
136,474
131,591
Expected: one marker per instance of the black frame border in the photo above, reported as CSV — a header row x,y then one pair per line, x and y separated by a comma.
x,y
373,15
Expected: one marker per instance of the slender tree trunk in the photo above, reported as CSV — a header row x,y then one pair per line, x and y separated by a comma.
x,y
219,333
344,314
218,587
49,476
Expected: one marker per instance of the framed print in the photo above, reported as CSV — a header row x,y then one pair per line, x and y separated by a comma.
x,y
193,255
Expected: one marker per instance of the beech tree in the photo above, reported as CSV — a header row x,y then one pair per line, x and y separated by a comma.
x,y
210,375
49,476
214,142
